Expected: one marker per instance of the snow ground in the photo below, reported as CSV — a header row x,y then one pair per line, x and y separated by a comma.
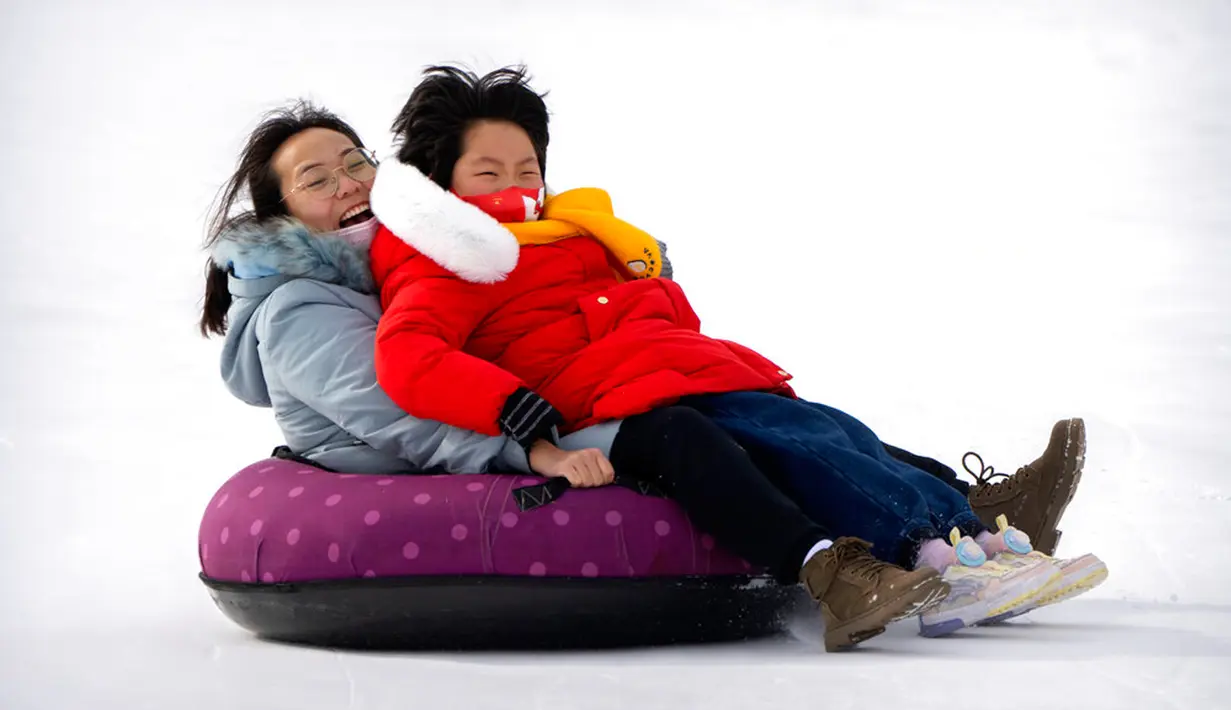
x,y
958,220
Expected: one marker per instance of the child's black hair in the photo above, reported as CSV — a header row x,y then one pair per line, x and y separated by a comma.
x,y
431,126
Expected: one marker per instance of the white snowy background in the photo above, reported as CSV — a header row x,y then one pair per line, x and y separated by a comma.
x,y
960,221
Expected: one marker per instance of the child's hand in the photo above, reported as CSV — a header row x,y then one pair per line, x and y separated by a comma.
x,y
584,469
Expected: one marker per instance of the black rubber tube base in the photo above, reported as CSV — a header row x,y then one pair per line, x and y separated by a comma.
x,y
508,613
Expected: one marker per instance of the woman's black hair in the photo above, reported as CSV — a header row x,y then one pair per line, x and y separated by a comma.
x,y
255,179
430,127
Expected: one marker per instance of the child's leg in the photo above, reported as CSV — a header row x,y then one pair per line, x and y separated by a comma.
x,y
716,482
696,463
948,507
980,592
932,466
837,477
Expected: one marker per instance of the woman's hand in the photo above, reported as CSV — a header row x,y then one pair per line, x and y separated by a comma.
x,y
586,468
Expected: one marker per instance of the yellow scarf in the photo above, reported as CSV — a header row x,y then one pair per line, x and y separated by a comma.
x,y
587,212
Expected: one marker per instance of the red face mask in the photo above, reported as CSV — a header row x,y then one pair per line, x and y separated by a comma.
x,y
512,204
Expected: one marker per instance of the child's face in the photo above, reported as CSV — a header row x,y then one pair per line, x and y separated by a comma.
x,y
495,155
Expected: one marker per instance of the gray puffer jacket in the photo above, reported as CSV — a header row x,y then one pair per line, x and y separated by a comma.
x,y
301,338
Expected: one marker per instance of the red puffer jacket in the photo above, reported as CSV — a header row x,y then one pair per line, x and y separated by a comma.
x,y
560,323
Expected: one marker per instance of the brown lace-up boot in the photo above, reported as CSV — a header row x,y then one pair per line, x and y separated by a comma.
x,y
1036,496
859,595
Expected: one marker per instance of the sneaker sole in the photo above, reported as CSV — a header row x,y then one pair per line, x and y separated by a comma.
x,y
1024,593
1048,597
1094,578
917,600
1070,475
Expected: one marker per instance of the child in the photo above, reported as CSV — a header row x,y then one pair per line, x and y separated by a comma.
x,y
508,312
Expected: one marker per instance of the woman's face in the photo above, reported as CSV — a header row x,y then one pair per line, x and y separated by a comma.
x,y
307,158
495,155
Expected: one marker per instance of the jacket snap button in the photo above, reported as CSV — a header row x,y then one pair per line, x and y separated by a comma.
x,y
784,373
602,299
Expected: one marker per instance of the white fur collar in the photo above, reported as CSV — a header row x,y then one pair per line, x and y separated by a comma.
x,y
456,235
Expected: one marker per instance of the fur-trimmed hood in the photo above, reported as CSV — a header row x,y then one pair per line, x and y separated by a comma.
x,y
455,234
284,246
464,239
285,264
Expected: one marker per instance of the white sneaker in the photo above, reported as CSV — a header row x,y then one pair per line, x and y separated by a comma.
x,y
981,589
1078,575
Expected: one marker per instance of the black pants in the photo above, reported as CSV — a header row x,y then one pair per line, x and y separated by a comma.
x,y
696,463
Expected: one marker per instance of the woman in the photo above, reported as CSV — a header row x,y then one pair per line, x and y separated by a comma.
x,y
289,286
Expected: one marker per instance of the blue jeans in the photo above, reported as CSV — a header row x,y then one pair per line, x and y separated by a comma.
x,y
839,473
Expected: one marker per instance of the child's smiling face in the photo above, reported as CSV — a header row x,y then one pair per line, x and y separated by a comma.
x,y
495,155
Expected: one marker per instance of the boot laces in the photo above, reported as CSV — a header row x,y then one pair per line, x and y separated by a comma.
x,y
987,476
853,556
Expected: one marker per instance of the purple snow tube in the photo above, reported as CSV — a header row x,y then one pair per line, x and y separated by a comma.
x,y
296,553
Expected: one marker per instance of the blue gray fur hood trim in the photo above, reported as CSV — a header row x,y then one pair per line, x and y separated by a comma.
x,y
285,246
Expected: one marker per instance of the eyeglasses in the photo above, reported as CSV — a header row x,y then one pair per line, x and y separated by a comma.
x,y
322,183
